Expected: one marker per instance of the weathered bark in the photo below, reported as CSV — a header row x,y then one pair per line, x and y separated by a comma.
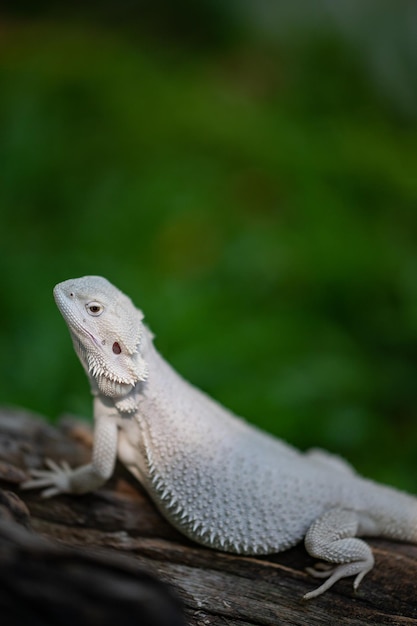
x,y
98,558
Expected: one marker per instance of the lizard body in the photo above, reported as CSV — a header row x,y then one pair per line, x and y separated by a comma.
x,y
220,481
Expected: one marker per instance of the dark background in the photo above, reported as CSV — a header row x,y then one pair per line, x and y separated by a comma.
x,y
247,173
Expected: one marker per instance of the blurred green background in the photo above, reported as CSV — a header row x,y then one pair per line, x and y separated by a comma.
x,y
247,173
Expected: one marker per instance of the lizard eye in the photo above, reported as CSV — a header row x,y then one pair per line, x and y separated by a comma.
x,y
94,308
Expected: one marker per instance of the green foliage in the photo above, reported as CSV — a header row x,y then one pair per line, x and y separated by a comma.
x,y
259,205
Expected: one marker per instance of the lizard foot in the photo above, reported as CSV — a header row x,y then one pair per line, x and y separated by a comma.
x,y
333,574
56,479
332,537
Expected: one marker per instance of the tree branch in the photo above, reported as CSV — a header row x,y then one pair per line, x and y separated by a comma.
x,y
105,554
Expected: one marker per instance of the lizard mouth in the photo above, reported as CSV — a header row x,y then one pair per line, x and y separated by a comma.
x,y
66,307
87,333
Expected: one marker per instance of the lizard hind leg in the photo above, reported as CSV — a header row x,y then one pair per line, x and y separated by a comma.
x,y
332,538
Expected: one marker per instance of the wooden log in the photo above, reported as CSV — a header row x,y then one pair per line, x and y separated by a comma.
x,y
114,548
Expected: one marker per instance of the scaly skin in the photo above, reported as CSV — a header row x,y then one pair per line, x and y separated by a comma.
x,y
218,480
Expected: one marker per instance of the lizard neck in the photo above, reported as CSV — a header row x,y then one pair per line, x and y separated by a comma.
x,y
160,372
168,390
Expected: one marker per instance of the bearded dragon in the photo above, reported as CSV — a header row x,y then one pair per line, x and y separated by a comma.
x,y
220,481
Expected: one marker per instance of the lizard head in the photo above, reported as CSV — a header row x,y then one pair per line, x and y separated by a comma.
x,y
106,330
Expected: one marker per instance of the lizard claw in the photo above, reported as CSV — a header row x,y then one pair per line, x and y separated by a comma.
x,y
53,481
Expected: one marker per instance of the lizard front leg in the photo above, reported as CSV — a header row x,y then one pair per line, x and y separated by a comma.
x,y
62,479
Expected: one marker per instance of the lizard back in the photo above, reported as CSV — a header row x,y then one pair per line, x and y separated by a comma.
x,y
221,481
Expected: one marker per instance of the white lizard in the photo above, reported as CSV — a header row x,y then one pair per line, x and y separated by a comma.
x,y
218,480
